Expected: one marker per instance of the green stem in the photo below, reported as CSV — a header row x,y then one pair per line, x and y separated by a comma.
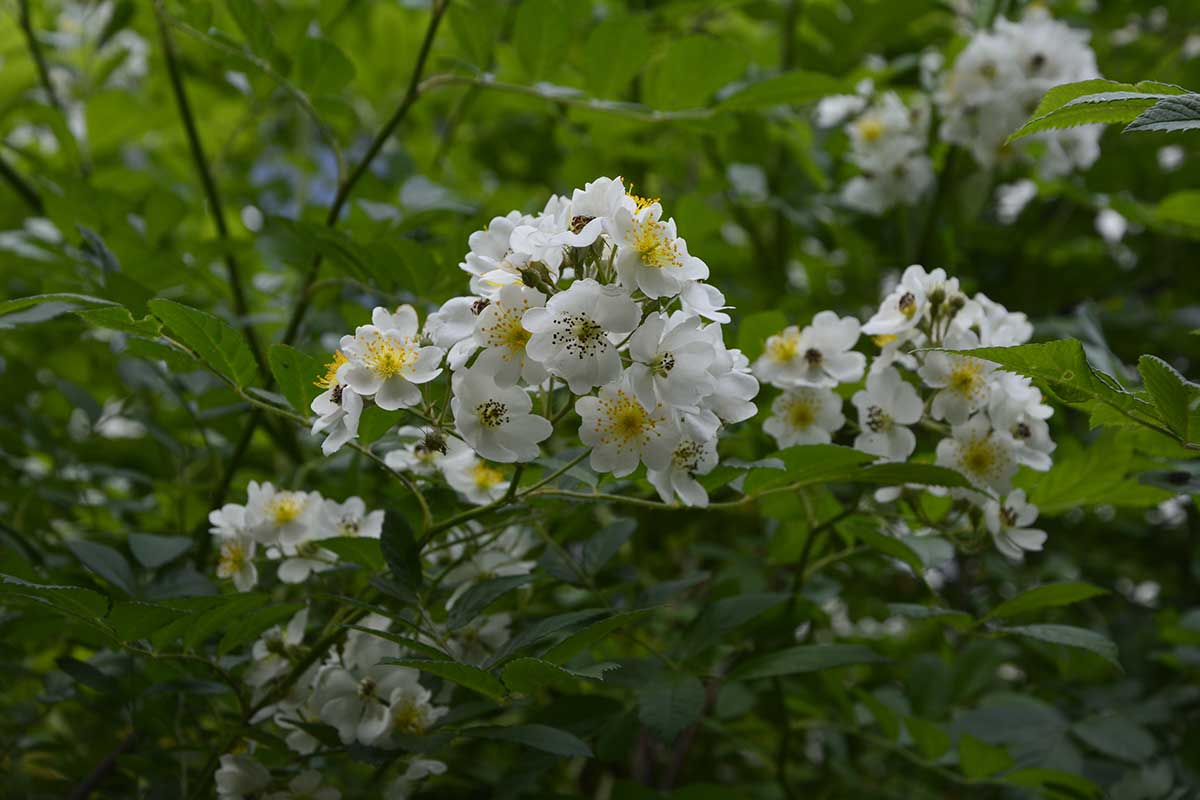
x,y
22,187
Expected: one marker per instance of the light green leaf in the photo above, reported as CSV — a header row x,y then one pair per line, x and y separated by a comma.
x,y
540,36
808,464
931,739
614,53
295,372
359,550
75,601
322,68
1093,101
691,71
210,338
75,300
529,675
118,318
755,329
806,658
1048,596
473,678
979,759
153,551
791,88
540,737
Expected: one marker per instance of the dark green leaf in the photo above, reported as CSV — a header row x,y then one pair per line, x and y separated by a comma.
x,y
669,703
153,551
210,338
105,562
296,373
473,678
980,759
539,737
475,600
1052,594
806,658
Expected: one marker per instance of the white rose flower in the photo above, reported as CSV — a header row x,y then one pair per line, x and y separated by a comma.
x,y
496,421
704,300
421,452
351,518
1016,406
689,459
355,704
671,356
571,333
735,386
887,405
963,381
274,516
818,355
236,561
1009,522
410,712
273,651
453,322
385,359
650,254
503,337
476,480
593,209
622,431
240,776
910,302
806,415
985,457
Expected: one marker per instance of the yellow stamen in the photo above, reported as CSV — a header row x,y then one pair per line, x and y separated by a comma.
x,y
486,477
389,355
625,422
330,378
870,128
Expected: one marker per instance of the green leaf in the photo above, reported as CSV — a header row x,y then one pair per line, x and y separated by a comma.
x,y
473,601
614,53
540,36
87,675
400,551
375,422
219,617
406,642
539,737
727,614
73,300
604,545
1181,113
869,535
1093,101
105,562
577,643
296,373
691,71
979,759
669,703
118,318
321,66
931,739
1047,596
360,550
808,464
473,678
1069,636
210,338
755,329
805,658
529,675
1173,395
957,619
133,619
253,25
1117,737
897,474
153,551
885,716
793,88
75,601
1055,784
475,23
249,628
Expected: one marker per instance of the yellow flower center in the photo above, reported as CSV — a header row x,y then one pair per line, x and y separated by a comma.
x,y
978,456
625,422
285,508
389,355
506,330
884,339
783,348
870,128
485,477
801,413
330,378
967,378
233,558
407,718
655,246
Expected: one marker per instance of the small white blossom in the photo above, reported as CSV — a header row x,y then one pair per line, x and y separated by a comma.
x,y
240,776
421,452
1009,522
689,459
285,517
807,415
985,457
622,431
476,480
273,651
962,382
386,361
650,254
356,704
885,407
818,355
1016,406
671,357
496,421
503,337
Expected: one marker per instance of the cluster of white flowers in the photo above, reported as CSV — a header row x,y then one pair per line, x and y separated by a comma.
x,y
356,690
888,143
596,297
997,81
991,422
290,527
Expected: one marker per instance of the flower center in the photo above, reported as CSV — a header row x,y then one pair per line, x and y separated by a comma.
x,y
492,414
580,335
878,420
285,509
625,422
801,414
330,377
506,330
408,718
485,477
655,246
783,348
813,356
687,456
366,688
908,304
389,355
1008,517
1021,431
663,364
233,557
966,378
870,128
348,526
979,456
